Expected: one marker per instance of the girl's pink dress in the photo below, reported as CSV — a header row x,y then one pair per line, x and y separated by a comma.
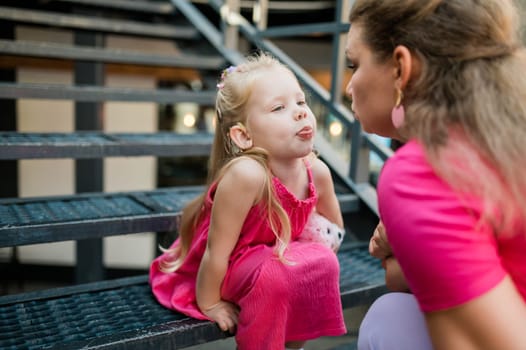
x,y
278,302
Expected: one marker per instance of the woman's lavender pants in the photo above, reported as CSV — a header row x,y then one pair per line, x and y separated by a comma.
x,y
394,322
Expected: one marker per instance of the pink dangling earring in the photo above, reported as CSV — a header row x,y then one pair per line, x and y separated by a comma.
x,y
398,112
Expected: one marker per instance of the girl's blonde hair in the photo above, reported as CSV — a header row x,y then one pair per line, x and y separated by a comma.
x,y
472,85
234,90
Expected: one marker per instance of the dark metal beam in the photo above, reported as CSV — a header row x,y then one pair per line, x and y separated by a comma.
x,y
89,172
8,122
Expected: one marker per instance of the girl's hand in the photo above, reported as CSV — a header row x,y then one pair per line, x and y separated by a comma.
x,y
225,314
379,246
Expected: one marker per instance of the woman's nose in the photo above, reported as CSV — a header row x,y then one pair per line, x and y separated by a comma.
x,y
348,89
348,92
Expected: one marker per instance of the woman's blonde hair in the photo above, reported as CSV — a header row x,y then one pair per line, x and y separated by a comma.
x,y
234,90
472,85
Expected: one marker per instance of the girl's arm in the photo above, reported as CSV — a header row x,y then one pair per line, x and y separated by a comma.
x,y
328,204
229,211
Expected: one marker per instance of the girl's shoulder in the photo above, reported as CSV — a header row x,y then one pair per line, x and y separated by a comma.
x,y
245,170
317,165
243,175
319,168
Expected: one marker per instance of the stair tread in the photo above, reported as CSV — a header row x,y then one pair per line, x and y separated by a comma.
x,y
98,93
106,25
91,215
15,145
69,52
154,7
70,317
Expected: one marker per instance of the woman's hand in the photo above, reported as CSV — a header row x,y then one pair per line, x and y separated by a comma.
x,y
225,314
379,246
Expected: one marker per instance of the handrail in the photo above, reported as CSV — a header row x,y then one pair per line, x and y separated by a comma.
x,y
207,29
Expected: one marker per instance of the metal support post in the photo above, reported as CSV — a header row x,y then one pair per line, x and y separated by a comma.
x,y
89,172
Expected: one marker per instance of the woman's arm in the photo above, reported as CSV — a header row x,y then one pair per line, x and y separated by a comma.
x,y
394,276
495,320
229,211
328,204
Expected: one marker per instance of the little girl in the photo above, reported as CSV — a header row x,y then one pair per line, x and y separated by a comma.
x,y
238,260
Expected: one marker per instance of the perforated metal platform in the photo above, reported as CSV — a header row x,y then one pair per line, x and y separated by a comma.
x,y
124,315
51,219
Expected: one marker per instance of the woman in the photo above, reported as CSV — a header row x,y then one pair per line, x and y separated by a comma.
x,y
447,78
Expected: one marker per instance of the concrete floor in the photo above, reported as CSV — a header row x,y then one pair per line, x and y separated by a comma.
x,y
353,317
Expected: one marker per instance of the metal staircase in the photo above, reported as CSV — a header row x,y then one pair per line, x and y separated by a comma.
x,y
132,319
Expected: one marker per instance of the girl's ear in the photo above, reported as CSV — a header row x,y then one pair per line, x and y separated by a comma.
x,y
407,66
239,135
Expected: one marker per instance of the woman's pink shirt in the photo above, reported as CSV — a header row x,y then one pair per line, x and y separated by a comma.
x,y
447,256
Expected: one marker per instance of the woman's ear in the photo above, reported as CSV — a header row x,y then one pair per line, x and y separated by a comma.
x,y
239,135
407,66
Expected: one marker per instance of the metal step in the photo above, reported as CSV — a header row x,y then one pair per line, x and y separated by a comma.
x,y
141,6
91,215
68,52
123,314
97,24
14,145
98,94
51,219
